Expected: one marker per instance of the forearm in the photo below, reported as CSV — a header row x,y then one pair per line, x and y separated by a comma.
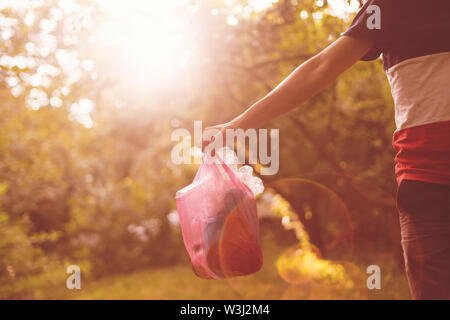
x,y
306,81
303,83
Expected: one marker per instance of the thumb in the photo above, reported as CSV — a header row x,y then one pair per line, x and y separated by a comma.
x,y
210,135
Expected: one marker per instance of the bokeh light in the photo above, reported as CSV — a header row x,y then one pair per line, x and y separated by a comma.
x,y
317,214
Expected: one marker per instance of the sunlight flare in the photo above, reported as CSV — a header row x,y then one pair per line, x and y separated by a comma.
x,y
150,37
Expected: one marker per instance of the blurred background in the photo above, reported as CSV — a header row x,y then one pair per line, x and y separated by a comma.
x,y
90,92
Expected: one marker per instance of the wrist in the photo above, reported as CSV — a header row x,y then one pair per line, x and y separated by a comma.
x,y
236,123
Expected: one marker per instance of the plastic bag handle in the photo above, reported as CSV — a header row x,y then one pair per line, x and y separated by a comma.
x,y
231,174
206,160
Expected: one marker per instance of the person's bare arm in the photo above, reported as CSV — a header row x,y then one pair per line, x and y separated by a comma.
x,y
304,82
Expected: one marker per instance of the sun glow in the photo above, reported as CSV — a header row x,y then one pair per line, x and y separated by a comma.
x,y
154,39
150,38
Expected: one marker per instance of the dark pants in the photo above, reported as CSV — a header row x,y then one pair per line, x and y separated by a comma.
x,y
424,210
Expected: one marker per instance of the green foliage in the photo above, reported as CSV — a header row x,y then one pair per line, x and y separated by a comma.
x,y
75,194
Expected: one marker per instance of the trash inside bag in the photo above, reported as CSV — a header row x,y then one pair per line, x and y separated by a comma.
x,y
219,223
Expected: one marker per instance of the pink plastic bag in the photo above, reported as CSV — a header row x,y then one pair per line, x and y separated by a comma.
x,y
219,223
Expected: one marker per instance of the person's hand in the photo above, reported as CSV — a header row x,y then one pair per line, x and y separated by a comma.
x,y
213,132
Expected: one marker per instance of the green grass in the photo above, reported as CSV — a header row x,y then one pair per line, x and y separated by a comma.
x,y
179,282
176,282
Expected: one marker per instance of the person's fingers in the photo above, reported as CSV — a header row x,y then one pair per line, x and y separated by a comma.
x,y
205,143
208,135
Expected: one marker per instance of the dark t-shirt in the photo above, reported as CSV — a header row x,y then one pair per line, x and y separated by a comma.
x,y
414,38
408,29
